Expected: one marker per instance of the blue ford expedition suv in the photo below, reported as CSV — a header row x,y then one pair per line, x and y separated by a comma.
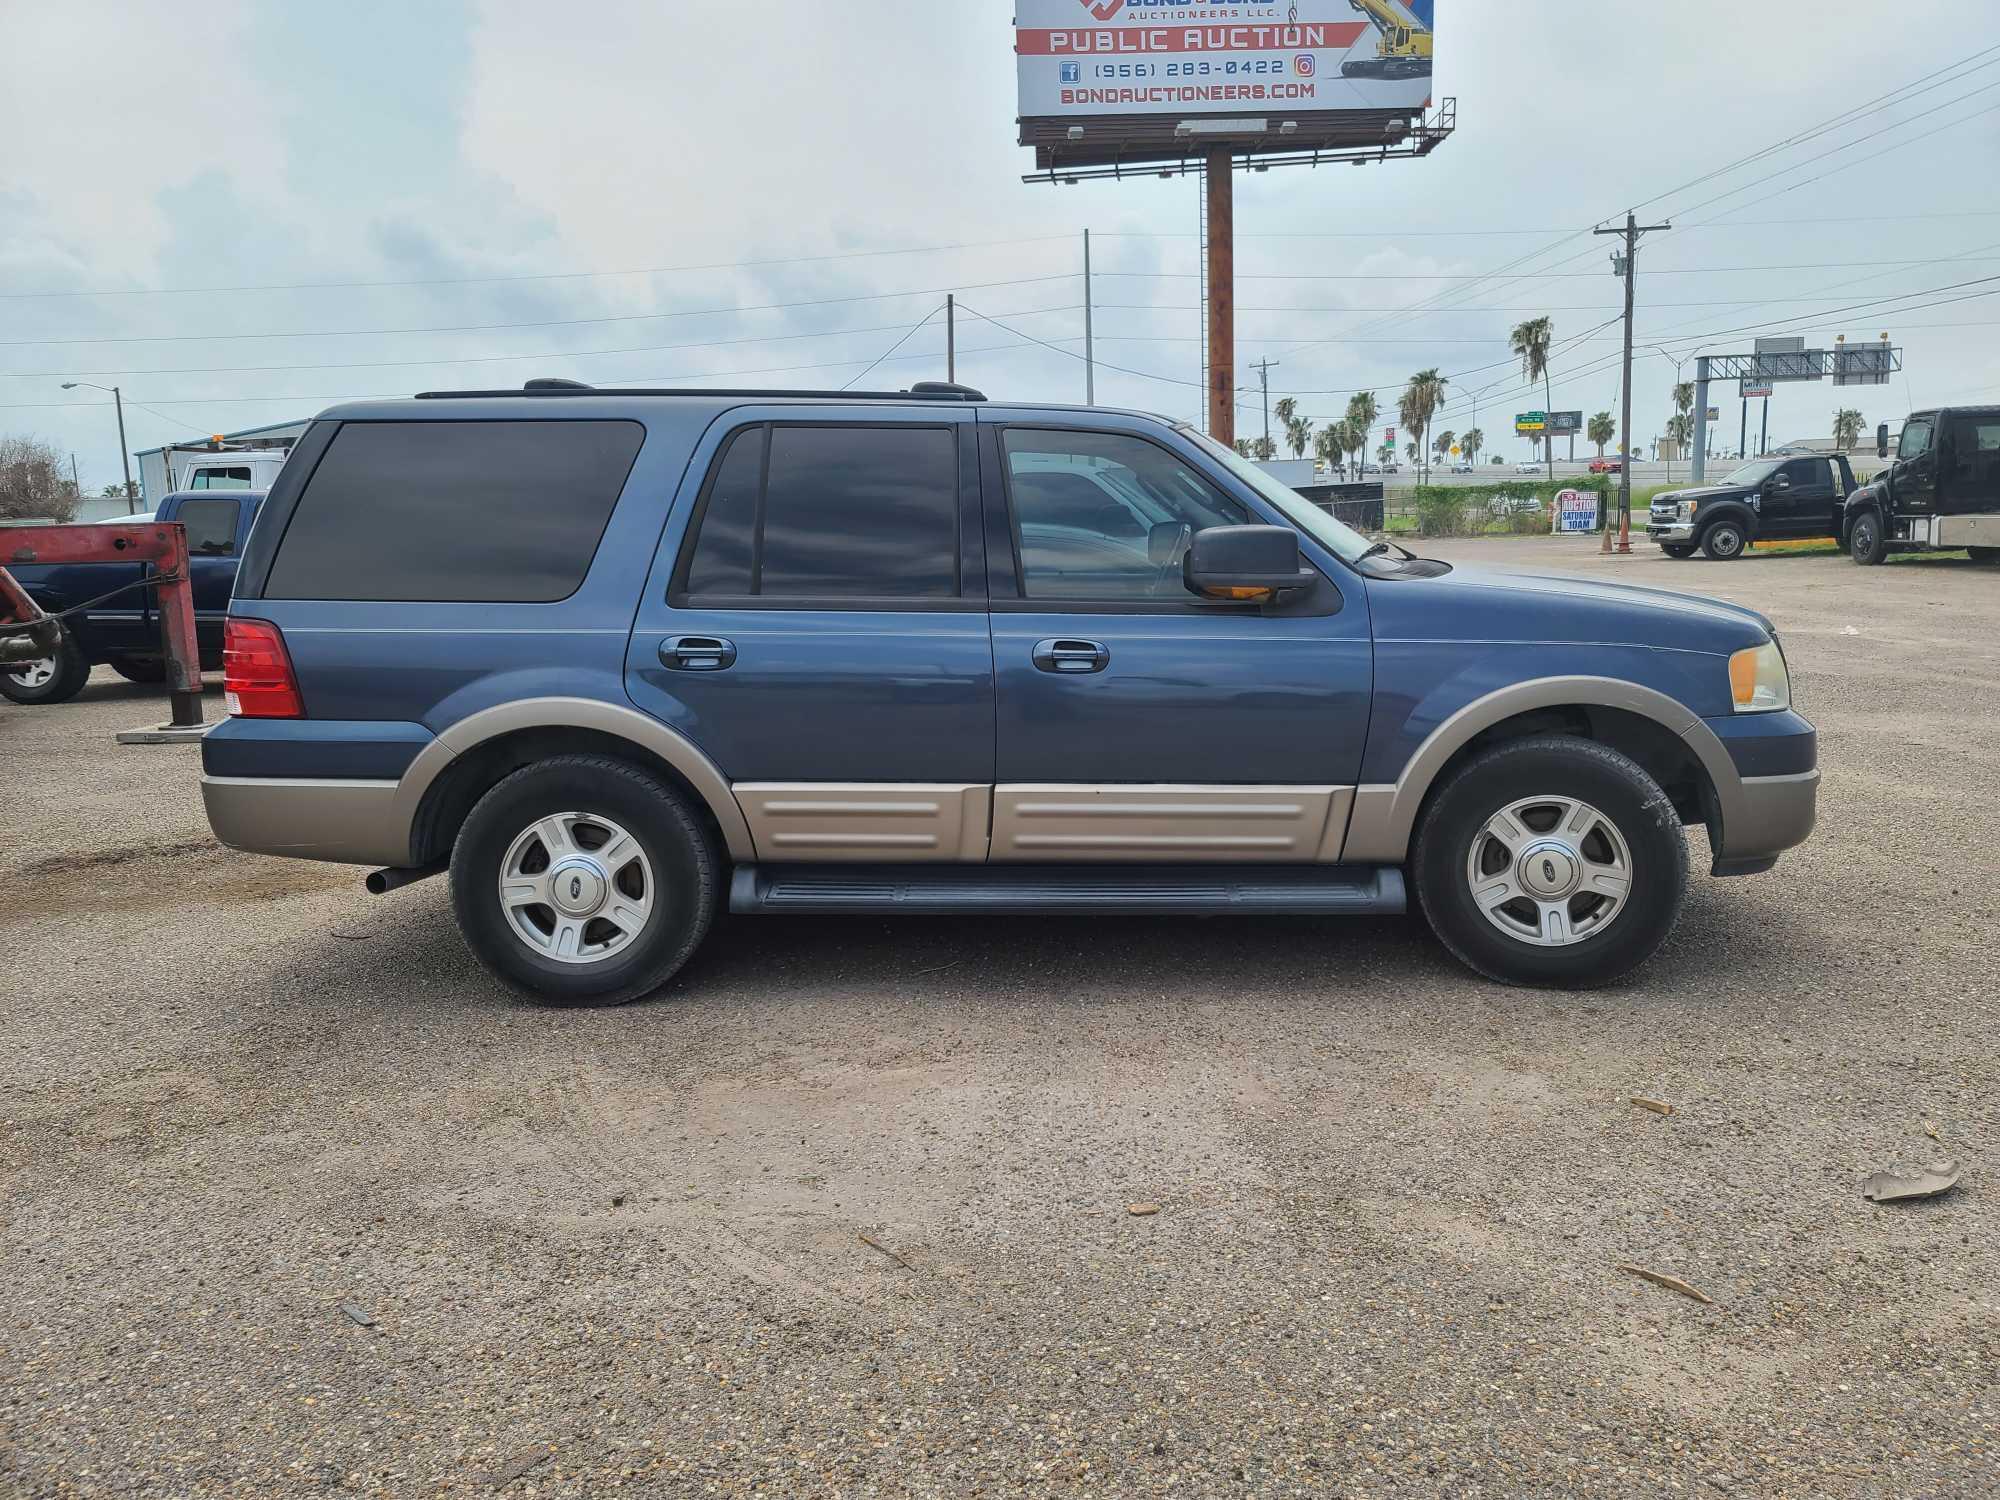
x,y
617,658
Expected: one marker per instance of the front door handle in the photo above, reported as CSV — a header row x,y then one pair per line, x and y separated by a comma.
x,y
1059,655
697,653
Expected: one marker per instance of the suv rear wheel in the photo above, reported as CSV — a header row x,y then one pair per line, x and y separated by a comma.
x,y
583,880
1551,861
54,679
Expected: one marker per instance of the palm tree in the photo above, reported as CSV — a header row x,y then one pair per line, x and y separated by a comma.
x,y
1336,440
1243,447
1285,411
1680,426
1384,453
1846,428
1601,430
1263,450
1471,443
1298,433
1419,404
1361,415
1441,444
1414,454
1530,343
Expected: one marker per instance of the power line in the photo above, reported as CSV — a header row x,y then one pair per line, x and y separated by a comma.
x,y
729,265
478,359
890,351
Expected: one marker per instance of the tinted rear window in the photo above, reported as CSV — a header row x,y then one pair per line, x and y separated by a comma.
x,y
490,512
841,513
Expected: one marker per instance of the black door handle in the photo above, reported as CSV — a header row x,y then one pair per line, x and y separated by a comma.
x,y
697,653
1060,655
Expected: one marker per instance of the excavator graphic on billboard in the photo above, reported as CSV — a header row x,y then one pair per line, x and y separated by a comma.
x,y
1403,44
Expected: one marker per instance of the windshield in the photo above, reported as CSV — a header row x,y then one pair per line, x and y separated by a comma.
x,y
1343,541
1754,473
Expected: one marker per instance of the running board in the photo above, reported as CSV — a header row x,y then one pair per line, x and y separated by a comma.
x,y
1121,890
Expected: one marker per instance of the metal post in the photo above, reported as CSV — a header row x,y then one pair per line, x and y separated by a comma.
x,y
1089,343
1743,432
1764,442
1221,296
124,457
1263,368
1630,232
950,337
1700,469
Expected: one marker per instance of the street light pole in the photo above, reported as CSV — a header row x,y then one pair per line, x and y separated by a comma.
x,y
124,456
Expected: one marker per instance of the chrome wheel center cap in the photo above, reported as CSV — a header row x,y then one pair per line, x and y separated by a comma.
x,y
1547,869
577,887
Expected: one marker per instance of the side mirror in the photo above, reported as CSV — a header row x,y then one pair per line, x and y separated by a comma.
x,y
1881,439
1780,482
1245,562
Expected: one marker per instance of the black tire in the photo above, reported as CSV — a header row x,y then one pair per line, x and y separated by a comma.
x,y
1984,554
1867,540
1459,812
139,668
1678,549
684,869
66,673
1725,540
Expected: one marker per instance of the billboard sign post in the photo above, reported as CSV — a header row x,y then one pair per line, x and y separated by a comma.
x,y
1111,88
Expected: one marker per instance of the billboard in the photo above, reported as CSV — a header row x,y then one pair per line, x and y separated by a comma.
x,y
1104,81
1747,389
1862,364
1786,358
1561,422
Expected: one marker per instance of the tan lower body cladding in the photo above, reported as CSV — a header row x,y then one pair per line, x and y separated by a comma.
x,y
868,822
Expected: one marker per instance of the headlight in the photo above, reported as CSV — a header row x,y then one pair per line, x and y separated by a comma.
x,y
1758,681
1684,511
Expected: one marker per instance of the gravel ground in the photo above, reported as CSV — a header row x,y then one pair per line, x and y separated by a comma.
x,y
297,1201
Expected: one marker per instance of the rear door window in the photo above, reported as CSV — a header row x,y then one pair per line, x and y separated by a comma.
x,y
805,512
488,512
211,527
233,478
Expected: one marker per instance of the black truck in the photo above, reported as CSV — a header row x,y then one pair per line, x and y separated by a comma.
x,y
1786,496
1942,492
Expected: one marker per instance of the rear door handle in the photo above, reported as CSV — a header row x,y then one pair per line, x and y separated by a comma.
x,y
697,653
1060,655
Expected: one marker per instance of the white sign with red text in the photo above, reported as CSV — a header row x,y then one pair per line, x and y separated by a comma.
x,y
1138,57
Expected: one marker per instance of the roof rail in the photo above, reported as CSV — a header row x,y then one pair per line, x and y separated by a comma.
x,y
922,390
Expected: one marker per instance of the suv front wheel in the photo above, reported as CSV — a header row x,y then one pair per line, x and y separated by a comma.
x,y
583,880
1551,861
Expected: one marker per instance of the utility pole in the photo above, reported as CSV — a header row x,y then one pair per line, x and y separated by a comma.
x,y
1264,367
1089,344
124,457
1743,432
1222,296
1764,442
950,337
1631,231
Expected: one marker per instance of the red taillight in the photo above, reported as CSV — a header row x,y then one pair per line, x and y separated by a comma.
x,y
257,678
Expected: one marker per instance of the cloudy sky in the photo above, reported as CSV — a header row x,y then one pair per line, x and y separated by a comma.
x,y
240,212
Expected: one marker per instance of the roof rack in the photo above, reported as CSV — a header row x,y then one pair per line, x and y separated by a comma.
x,y
922,390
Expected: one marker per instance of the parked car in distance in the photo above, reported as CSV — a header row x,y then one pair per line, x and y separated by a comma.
x,y
1941,493
617,660
124,630
1606,466
1767,499
1530,466
1463,466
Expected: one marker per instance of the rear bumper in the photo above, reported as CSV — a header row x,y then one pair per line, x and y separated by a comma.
x,y
348,822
